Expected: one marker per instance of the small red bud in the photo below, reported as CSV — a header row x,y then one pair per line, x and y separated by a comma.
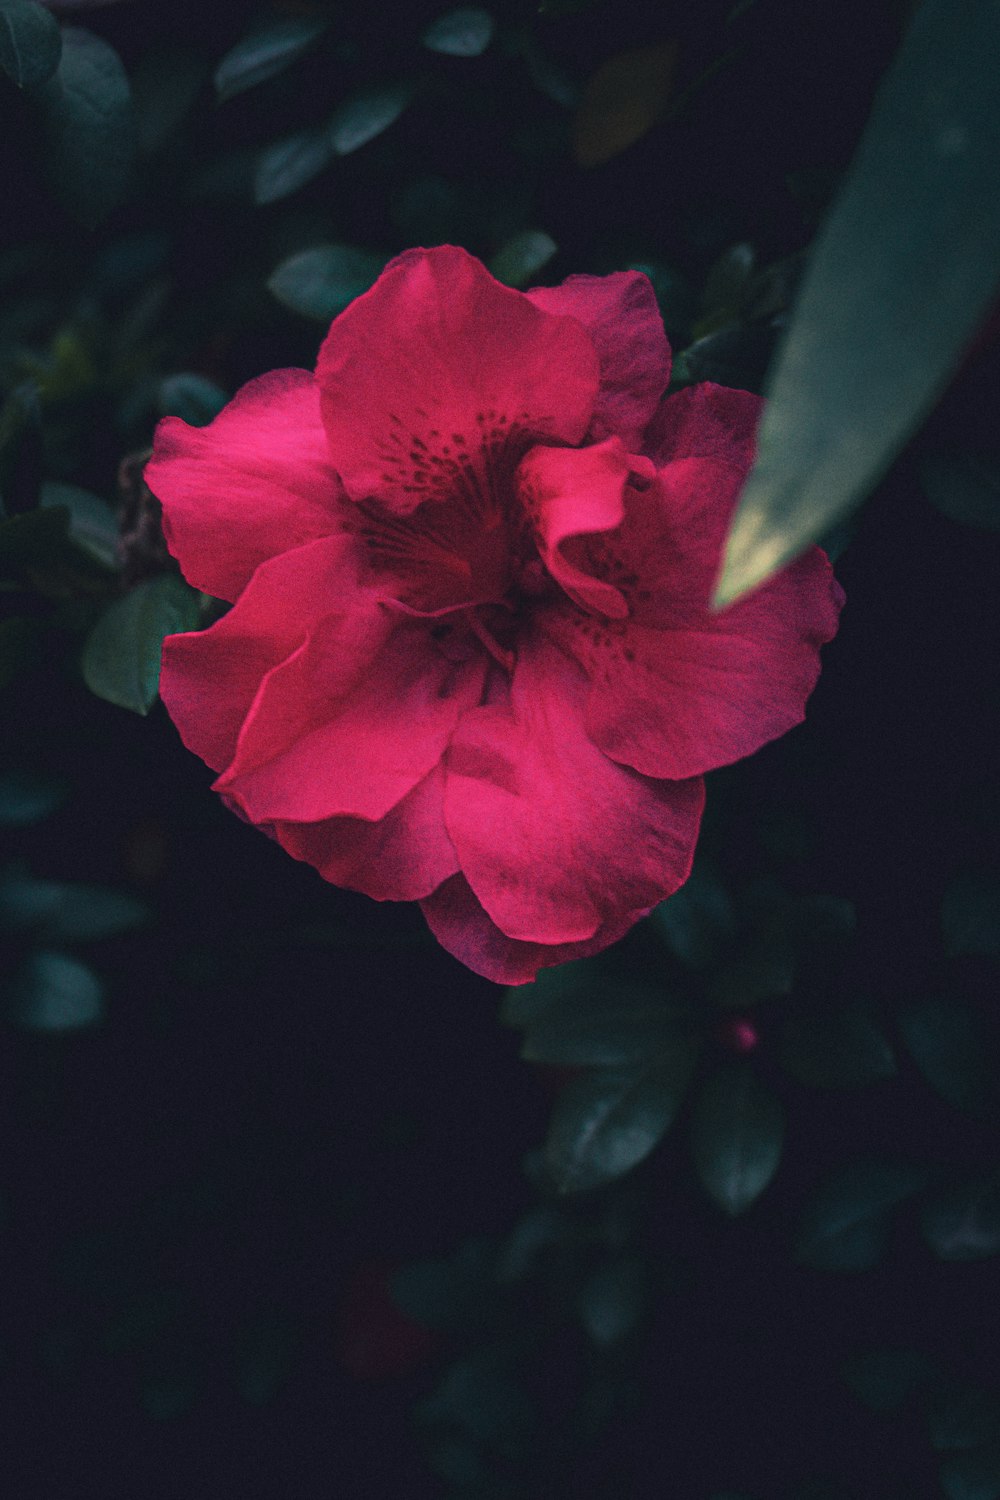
x,y
738,1034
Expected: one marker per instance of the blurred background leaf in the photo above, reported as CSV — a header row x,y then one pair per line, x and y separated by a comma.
x,y
30,42
121,656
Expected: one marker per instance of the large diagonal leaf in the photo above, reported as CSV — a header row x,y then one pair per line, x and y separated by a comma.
x,y
903,271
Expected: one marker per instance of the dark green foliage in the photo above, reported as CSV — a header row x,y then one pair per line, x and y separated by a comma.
x,y
87,106
266,51
52,991
121,657
624,1025
319,283
964,486
364,116
846,1225
952,1049
970,916
519,261
30,42
962,1221
191,397
605,1243
609,1119
738,1127
290,163
465,32
26,797
54,912
844,1048
92,525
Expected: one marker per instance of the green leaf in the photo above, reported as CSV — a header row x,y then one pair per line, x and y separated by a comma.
x,y
524,1003
522,257
193,398
725,285
610,1302
949,1045
465,32
30,42
736,1137
88,114
610,1026
842,1049
58,912
165,85
481,1396
736,356
697,923
20,643
364,116
965,487
289,164
53,992
27,797
970,917
319,283
121,657
606,1121
448,1294
93,525
266,51
965,1416
28,541
962,1221
914,228
887,1380
846,1225
972,1476
21,448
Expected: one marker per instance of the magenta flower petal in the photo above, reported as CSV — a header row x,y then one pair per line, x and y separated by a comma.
x,y
209,678
620,314
437,372
471,659
553,837
573,492
461,925
350,723
402,857
254,483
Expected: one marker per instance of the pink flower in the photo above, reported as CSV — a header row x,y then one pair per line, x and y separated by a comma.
x,y
470,660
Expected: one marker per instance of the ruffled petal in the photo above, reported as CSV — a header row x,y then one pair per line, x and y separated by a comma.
x,y
572,492
620,314
351,722
676,689
436,380
402,857
209,678
461,925
553,837
256,482
706,421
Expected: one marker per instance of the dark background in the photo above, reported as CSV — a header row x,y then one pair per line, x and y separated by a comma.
x,y
294,1091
